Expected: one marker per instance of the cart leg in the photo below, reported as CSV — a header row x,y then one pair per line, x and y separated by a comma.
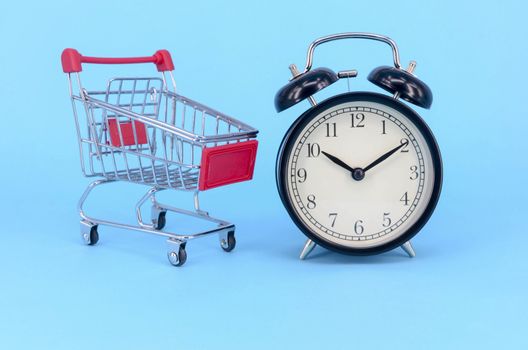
x,y
89,233
197,205
227,240
176,252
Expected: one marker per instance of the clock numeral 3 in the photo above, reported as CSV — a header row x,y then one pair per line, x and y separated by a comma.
x,y
311,202
358,120
333,217
386,220
358,227
301,174
405,199
331,129
414,172
313,150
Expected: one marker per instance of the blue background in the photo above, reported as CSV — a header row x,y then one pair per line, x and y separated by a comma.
x,y
467,287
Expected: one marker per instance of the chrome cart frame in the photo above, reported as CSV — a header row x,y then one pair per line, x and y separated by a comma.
x,y
138,130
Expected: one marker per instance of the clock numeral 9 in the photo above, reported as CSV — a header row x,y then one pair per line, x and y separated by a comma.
x,y
405,199
311,202
386,220
331,129
313,150
404,149
358,227
358,120
414,172
301,174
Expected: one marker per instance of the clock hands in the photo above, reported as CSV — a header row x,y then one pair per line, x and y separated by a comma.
x,y
359,173
385,156
338,161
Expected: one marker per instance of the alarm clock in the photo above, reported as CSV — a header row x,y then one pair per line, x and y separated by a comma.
x,y
359,173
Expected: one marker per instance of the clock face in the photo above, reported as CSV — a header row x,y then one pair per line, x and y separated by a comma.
x,y
360,173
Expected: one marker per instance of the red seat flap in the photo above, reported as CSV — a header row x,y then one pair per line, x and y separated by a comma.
x,y
227,164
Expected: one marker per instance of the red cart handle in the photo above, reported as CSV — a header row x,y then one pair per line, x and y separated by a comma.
x,y
72,60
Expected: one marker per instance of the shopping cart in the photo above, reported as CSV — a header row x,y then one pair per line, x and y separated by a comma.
x,y
139,130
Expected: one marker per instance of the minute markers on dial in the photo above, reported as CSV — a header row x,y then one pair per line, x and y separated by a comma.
x,y
325,219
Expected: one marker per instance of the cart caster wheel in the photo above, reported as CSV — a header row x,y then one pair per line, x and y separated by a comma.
x,y
229,243
92,237
160,223
178,258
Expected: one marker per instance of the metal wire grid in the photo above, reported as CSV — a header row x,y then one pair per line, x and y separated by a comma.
x,y
176,131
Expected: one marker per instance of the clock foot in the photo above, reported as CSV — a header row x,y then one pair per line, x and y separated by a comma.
x,y
407,247
308,247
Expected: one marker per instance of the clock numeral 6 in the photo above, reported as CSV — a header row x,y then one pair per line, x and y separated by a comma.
x,y
358,120
311,202
301,174
414,172
313,150
386,220
358,227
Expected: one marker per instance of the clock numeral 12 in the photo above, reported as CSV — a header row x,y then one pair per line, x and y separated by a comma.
x,y
358,120
383,130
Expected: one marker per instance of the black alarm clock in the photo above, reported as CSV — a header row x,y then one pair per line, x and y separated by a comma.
x,y
359,173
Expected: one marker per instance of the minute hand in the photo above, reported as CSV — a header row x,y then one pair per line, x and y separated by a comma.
x,y
385,156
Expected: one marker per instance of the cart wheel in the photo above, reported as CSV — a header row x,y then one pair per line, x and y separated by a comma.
x,y
93,237
229,243
178,258
161,220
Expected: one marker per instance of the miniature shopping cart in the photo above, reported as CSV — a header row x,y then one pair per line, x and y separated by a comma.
x,y
139,130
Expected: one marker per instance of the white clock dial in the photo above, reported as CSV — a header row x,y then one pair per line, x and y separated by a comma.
x,y
367,212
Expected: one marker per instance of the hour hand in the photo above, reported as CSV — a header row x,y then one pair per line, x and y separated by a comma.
x,y
338,161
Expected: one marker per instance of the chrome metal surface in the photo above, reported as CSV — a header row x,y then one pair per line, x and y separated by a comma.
x,y
408,248
347,74
140,130
410,69
307,249
352,35
295,73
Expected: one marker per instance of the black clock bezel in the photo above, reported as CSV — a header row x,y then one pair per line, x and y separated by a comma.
x,y
305,118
